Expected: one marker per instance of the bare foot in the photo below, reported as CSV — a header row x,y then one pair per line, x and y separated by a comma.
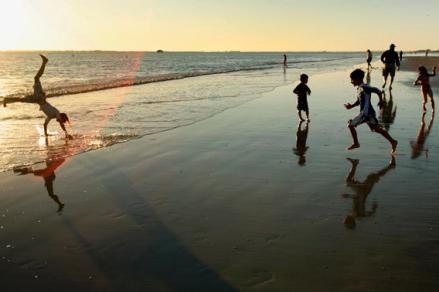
x,y
353,146
45,60
394,144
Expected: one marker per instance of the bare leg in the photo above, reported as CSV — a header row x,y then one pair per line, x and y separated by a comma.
x,y
424,101
299,112
41,71
307,115
386,135
355,143
432,101
385,81
391,82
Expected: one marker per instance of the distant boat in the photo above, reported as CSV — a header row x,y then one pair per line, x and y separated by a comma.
x,y
159,51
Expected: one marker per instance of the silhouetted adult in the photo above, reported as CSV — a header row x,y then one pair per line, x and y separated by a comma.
x,y
285,60
369,59
400,55
390,59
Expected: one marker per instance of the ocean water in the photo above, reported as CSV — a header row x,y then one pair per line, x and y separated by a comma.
x,y
112,97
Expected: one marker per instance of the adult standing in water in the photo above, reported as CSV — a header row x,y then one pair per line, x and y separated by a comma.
x,y
369,59
285,60
390,59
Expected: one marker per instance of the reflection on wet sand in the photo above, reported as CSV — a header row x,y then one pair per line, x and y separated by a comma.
x,y
53,161
362,190
421,137
301,148
387,112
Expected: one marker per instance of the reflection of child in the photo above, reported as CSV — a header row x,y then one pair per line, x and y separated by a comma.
x,y
367,113
302,90
424,80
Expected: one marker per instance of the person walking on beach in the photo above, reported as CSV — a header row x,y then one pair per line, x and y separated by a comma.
x,y
302,90
285,60
39,97
390,59
367,113
424,80
400,56
369,59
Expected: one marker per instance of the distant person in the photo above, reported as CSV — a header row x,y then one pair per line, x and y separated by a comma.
x,y
424,80
426,52
301,148
367,113
302,90
369,59
39,97
400,56
390,59
285,60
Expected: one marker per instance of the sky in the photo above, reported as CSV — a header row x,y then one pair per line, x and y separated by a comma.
x,y
218,25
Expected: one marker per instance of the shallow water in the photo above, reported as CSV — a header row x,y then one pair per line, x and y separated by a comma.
x,y
105,117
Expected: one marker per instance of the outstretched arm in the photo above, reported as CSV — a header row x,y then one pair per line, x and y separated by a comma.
x,y
351,105
434,72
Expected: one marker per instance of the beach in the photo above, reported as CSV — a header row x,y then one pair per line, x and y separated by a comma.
x,y
233,202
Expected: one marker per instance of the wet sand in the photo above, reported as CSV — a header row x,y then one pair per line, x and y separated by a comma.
x,y
236,203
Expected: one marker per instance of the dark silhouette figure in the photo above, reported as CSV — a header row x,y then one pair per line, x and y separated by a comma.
x,y
362,189
390,59
301,148
48,174
369,59
387,112
285,60
400,55
421,137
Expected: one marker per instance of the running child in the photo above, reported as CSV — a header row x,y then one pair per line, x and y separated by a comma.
x,y
424,80
367,113
302,90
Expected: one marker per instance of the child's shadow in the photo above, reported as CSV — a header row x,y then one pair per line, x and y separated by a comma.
x,y
54,160
421,137
362,190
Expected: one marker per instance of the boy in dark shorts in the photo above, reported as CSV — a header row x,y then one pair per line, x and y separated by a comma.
x,y
367,113
302,90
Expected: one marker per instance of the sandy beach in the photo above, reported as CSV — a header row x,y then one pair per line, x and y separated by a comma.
x,y
235,203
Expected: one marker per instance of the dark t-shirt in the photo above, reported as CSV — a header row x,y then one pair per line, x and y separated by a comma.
x,y
389,57
302,90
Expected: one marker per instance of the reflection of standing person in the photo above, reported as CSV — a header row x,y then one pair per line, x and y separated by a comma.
x,y
387,112
367,113
285,60
301,136
424,80
421,137
362,190
391,63
400,55
369,59
302,90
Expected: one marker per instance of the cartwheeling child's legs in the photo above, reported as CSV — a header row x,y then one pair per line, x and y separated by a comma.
x,y
41,71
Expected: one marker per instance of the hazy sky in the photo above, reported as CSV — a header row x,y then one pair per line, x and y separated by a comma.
x,y
218,25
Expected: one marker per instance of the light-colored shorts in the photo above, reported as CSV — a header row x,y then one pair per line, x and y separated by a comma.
x,y
370,120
